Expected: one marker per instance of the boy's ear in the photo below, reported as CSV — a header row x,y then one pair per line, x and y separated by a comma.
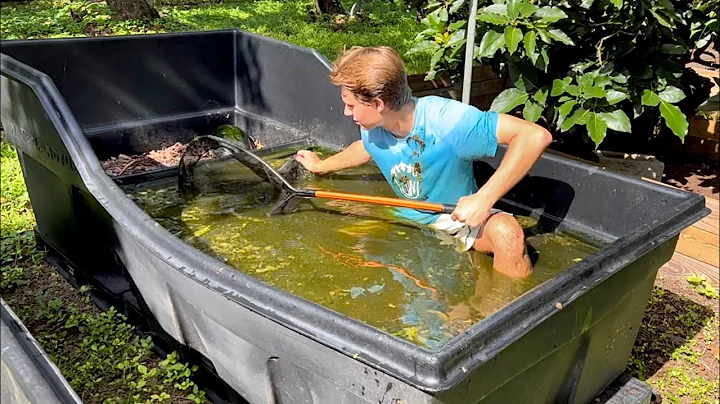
x,y
379,104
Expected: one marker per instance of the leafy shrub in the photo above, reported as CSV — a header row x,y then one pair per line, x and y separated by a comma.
x,y
584,66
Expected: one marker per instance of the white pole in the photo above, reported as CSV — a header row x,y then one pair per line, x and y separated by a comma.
x,y
469,50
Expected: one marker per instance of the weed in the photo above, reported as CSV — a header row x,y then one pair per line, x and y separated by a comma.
x,y
702,286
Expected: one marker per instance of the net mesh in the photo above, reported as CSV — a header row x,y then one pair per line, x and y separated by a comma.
x,y
214,165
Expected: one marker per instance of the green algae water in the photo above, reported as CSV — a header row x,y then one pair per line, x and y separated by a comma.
x,y
352,258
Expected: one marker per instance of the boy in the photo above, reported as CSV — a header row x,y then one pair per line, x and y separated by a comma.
x,y
425,148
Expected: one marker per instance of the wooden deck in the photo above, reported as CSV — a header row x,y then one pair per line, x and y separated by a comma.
x,y
697,250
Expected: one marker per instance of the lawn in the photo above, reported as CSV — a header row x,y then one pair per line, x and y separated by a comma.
x,y
381,23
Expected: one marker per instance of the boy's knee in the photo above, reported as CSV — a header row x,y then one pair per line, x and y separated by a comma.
x,y
505,232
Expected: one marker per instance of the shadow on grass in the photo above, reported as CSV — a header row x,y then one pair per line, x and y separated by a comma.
x,y
670,321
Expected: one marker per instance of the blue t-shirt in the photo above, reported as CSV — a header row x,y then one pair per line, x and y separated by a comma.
x,y
434,162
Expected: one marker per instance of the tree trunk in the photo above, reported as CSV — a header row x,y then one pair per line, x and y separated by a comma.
x,y
132,10
332,7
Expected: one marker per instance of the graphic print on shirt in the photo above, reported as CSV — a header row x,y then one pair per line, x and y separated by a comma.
x,y
406,179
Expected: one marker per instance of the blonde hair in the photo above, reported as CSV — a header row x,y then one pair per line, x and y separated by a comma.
x,y
373,72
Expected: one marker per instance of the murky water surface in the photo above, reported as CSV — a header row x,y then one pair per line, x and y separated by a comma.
x,y
353,258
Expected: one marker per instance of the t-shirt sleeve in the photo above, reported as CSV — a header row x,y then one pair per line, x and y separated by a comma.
x,y
473,133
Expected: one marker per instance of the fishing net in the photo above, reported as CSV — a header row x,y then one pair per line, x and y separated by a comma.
x,y
212,164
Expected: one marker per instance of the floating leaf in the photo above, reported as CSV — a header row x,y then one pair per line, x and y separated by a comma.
x,y
356,291
376,288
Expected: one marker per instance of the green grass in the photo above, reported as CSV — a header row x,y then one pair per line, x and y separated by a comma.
x,y
382,23
98,352
15,212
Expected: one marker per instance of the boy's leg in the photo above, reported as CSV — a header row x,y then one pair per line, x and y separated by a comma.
x,y
503,236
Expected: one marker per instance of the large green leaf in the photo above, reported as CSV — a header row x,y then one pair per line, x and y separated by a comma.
x,y
527,9
615,96
490,43
672,94
560,36
559,86
457,38
564,110
573,90
550,14
443,14
602,81
492,18
617,120
456,5
513,8
423,46
532,111
579,117
585,81
542,61
508,100
543,34
650,99
457,25
618,3
435,22
497,9
436,58
597,128
661,19
529,42
541,95
595,92
513,37
674,119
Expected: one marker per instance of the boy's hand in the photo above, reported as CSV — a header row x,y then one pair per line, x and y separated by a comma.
x,y
309,160
472,210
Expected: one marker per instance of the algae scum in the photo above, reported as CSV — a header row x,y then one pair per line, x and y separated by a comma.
x,y
349,257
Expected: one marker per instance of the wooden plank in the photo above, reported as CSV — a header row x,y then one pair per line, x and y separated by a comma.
x,y
704,128
418,83
699,244
680,266
711,222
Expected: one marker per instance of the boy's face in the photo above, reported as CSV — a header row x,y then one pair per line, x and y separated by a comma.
x,y
367,116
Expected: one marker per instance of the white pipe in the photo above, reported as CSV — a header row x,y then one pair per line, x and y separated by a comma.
x,y
469,50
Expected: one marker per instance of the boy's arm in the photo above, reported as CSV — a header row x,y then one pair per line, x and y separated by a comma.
x,y
354,155
526,142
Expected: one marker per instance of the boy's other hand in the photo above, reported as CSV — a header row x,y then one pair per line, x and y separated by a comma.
x,y
309,160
